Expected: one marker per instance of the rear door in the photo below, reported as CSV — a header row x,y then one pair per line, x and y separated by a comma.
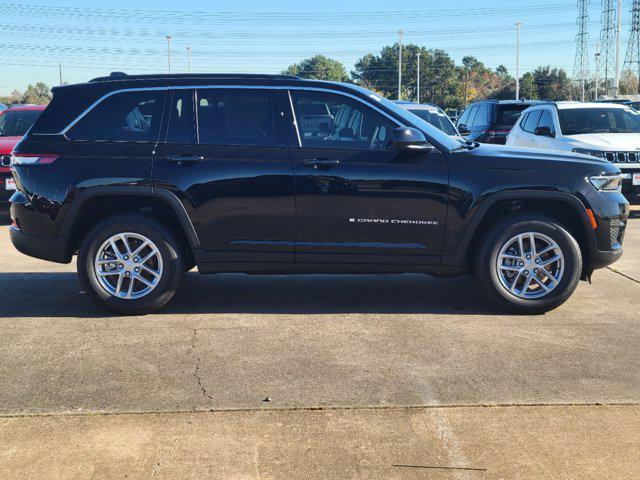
x,y
546,120
528,126
224,157
359,201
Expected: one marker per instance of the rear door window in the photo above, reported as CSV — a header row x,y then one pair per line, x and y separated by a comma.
x,y
482,118
235,117
122,117
546,120
464,117
472,116
531,121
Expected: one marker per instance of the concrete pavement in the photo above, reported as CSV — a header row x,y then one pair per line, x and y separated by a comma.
x,y
403,368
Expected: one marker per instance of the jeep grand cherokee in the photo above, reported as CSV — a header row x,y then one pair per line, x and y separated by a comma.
x,y
144,177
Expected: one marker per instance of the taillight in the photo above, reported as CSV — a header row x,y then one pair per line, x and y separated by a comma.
x,y
495,136
32,159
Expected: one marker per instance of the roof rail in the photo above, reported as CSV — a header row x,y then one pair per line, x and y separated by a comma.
x,y
259,76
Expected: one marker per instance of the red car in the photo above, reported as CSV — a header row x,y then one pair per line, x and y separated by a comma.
x,y
14,123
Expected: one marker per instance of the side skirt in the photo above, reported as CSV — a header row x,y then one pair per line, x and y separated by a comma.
x,y
327,268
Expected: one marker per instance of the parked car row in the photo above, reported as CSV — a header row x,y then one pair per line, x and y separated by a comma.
x,y
14,123
610,131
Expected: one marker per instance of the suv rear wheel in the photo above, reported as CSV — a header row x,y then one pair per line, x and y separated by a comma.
x,y
130,264
529,264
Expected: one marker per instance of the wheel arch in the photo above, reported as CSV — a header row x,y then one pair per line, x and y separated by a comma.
x,y
96,203
562,207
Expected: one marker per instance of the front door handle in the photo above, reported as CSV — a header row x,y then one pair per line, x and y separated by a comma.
x,y
319,163
185,159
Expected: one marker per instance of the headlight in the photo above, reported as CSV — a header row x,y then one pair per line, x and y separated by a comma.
x,y
606,183
593,153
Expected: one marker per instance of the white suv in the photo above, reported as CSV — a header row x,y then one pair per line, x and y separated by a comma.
x,y
605,130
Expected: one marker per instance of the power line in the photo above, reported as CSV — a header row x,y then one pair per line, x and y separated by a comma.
x,y
581,62
608,42
632,58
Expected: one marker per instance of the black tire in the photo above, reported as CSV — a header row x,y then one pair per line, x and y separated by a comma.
x,y
495,239
172,261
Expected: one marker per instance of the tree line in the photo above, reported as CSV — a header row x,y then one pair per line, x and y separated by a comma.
x,y
38,94
442,81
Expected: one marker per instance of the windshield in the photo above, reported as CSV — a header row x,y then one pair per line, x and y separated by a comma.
x,y
576,121
435,118
15,123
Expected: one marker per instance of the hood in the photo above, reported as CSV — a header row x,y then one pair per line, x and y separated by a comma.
x,y
514,154
607,141
7,144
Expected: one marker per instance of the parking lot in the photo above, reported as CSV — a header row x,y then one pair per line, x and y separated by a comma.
x,y
325,376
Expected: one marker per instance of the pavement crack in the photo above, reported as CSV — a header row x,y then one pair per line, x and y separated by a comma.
x,y
196,371
157,466
628,277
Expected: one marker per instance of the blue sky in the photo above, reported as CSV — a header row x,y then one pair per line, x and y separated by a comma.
x,y
92,38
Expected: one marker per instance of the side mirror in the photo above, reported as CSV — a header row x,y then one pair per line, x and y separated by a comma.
x,y
407,139
463,129
543,132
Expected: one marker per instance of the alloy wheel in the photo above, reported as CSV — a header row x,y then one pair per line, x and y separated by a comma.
x,y
128,266
530,265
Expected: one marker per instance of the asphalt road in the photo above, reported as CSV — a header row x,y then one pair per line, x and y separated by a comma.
x,y
366,377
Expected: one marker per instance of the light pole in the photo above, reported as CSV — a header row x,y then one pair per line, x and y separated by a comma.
x,y
618,34
400,66
418,80
168,37
189,59
597,55
518,25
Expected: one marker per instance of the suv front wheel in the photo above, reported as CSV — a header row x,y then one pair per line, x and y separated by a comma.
x,y
529,264
130,264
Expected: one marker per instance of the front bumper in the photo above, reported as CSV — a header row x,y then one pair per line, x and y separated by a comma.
x,y
602,258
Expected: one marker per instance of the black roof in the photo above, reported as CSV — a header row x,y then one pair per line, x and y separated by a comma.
x,y
511,102
121,76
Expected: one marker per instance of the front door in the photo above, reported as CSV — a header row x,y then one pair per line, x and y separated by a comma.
x,y
225,158
358,200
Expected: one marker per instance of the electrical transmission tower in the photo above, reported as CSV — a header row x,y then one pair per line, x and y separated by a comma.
x,y
632,58
608,43
581,62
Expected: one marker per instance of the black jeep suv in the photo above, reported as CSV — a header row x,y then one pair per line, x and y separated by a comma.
x,y
144,177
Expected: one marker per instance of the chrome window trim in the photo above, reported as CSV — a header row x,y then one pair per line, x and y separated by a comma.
x,y
295,119
242,87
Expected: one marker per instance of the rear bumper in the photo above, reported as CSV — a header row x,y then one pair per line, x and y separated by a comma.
x,y
51,249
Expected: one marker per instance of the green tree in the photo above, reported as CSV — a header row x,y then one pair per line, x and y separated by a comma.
x,y
319,67
438,74
528,88
628,83
38,94
553,83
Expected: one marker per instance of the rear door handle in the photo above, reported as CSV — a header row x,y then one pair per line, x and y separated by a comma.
x,y
184,159
318,163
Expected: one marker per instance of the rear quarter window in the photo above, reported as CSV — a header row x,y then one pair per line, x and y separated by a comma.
x,y
122,117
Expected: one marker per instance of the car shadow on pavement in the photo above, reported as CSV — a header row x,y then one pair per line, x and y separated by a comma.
x,y
59,294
